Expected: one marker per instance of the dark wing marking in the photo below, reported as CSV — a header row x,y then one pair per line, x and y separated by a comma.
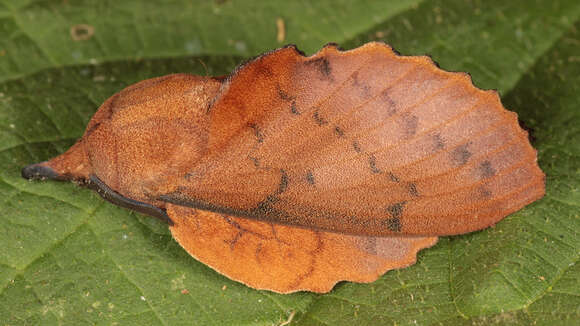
x,y
408,153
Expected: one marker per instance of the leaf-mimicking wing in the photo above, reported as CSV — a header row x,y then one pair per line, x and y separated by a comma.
x,y
287,259
294,172
362,142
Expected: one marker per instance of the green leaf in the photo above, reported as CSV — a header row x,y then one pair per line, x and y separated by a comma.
x,y
70,258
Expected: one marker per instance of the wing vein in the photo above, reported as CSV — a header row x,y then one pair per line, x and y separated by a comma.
x,y
320,101
387,119
403,142
480,204
503,172
448,150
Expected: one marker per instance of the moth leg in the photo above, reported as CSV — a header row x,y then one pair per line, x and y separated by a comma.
x,y
114,197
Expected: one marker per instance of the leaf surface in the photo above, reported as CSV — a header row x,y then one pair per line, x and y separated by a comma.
x,y
70,258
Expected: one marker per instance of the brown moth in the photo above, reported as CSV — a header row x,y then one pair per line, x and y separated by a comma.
x,y
296,172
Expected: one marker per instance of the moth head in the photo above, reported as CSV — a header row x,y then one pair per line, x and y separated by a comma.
x,y
140,137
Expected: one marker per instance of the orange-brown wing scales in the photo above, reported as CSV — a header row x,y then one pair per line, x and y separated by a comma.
x,y
362,142
321,106
123,142
287,259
